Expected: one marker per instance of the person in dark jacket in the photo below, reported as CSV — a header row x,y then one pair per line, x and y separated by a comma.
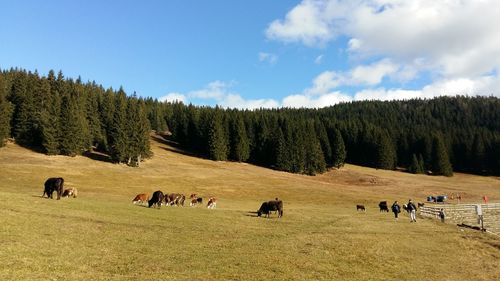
x,y
396,209
441,215
412,210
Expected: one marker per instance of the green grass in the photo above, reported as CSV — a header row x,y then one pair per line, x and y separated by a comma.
x,y
102,236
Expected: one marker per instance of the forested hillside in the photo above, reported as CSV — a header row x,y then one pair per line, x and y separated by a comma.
x,y
56,115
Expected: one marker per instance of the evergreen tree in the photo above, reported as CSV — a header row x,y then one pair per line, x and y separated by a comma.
x,y
314,159
421,164
47,117
416,165
137,132
72,142
217,141
338,149
440,161
477,155
5,112
384,153
282,154
240,147
118,140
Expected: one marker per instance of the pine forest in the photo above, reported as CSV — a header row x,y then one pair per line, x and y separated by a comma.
x,y
57,115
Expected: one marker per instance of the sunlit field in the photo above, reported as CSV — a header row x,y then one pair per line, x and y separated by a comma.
x,y
101,235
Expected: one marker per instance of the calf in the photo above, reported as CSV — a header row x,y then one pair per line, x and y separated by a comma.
x,y
360,208
383,206
70,192
212,203
156,199
195,201
267,207
141,198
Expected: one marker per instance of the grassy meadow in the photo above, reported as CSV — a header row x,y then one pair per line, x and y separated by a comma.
x,y
101,235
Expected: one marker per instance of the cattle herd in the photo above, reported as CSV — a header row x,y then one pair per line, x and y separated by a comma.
x,y
158,198
383,207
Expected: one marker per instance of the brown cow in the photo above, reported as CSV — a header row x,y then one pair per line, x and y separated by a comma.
x,y
141,198
174,199
70,192
212,203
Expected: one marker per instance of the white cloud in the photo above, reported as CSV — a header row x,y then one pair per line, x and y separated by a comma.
x,y
304,23
214,90
268,57
450,38
236,101
173,97
220,92
308,101
361,75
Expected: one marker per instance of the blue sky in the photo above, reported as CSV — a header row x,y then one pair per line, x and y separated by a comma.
x,y
261,53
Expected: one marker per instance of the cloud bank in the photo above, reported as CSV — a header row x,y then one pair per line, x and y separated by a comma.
x,y
456,42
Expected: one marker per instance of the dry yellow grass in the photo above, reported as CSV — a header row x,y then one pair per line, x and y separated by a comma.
x,y
102,236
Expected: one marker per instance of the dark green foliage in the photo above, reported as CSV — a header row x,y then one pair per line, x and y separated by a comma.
x,y
5,113
217,140
72,140
338,149
56,115
416,166
440,161
240,146
385,154
137,128
314,159
119,140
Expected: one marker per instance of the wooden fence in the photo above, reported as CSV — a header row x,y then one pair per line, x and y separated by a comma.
x,y
467,214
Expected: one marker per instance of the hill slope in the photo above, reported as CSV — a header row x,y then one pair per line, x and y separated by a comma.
x,y
101,235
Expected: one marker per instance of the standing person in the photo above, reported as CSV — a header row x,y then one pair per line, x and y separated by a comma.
x,y
441,214
396,209
412,209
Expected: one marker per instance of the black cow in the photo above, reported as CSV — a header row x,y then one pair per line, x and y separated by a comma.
x,y
383,206
53,184
267,207
360,208
156,199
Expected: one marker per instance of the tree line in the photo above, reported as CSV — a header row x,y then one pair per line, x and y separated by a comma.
x,y
56,115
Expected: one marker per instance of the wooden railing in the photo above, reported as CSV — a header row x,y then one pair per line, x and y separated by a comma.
x,y
466,214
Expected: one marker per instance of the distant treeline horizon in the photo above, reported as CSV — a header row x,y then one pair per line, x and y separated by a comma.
x,y
57,115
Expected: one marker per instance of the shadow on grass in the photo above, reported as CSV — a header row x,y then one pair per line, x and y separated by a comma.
x,y
251,214
98,156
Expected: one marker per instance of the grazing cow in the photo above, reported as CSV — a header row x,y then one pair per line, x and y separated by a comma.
x,y
70,192
383,206
156,199
267,207
195,201
174,199
420,204
360,208
54,184
212,203
141,198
